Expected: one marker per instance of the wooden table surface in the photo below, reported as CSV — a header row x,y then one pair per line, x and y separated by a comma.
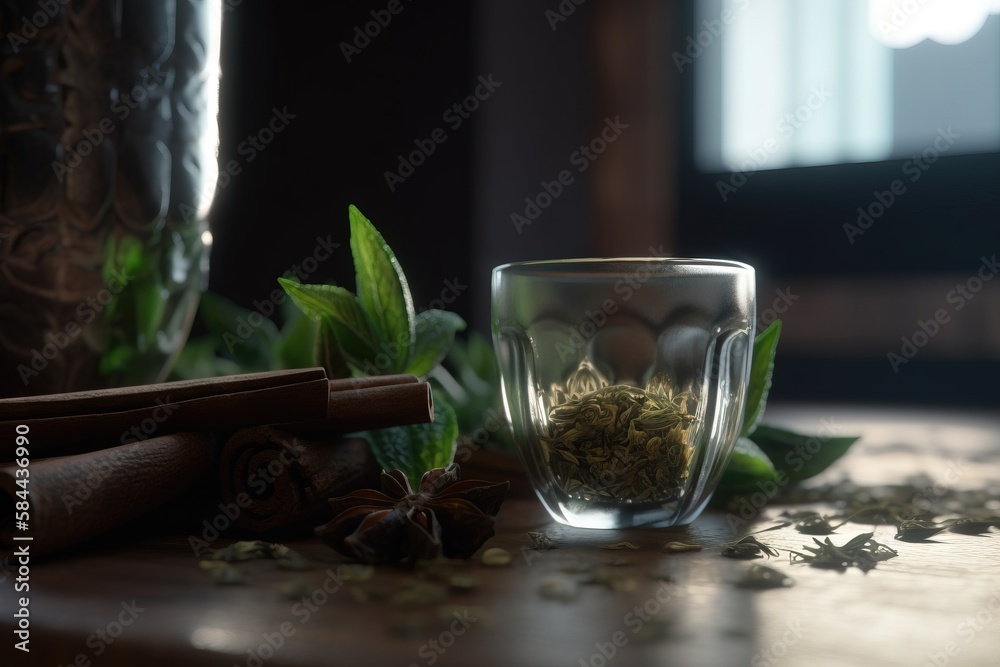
x,y
146,602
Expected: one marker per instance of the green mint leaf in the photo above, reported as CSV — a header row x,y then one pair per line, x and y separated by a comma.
x,y
297,347
228,324
382,290
417,448
748,466
761,369
800,456
340,311
435,332
329,355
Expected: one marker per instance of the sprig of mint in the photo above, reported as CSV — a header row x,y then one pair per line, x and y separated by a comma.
x,y
766,454
376,331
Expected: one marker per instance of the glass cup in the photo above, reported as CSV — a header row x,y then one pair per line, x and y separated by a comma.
x,y
624,381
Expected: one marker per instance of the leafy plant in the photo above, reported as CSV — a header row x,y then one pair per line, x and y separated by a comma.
x,y
767,454
376,331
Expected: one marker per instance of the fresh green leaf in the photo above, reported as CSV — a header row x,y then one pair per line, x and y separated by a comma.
x,y
800,456
198,360
382,289
748,467
297,346
417,448
249,345
435,333
761,369
339,310
329,354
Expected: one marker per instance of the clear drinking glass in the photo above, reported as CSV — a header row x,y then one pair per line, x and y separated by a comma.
x,y
624,380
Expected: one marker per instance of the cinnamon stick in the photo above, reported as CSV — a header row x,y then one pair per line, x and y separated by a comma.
x,y
74,498
74,422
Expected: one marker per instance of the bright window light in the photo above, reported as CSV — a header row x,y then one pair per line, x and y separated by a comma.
x,y
786,83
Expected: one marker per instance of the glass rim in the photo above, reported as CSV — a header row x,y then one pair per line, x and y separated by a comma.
x,y
598,261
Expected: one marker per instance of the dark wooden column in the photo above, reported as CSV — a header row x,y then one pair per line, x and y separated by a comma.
x,y
633,184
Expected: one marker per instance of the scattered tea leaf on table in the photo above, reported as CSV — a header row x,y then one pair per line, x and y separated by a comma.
x,y
917,531
678,547
619,545
762,577
748,547
540,541
496,557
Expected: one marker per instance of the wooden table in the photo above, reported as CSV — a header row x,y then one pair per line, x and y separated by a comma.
x,y
146,601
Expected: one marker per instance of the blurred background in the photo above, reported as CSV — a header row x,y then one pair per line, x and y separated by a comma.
x,y
849,150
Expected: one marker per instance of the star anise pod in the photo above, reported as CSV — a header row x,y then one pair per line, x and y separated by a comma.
x,y
445,517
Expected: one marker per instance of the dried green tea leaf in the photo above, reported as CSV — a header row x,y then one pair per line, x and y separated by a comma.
x,y
244,550
917,531
762,577
540,541
679,547
563,589
496,557
619,545
463,582
815,525
617,442
748,547
212,564
971,525
860,551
